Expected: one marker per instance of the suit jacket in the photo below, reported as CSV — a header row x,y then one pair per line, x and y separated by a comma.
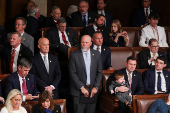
x,y
26,40
69,21
23,53
149,81
77,18
106,57
137,87
43,78
12,82
49,22
147,34
139,18
144,56
2,36
38,109
77,71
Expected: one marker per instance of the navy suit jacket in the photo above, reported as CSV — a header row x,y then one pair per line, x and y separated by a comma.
x,y
12,82
106,57
149,81
138,18
49,22
137,84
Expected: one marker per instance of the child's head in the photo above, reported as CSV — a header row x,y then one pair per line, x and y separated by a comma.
x,y
119,78
116,26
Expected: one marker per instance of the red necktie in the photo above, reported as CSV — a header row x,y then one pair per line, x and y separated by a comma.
x,y
24,87
147,17
12,60
64,38
97,29
56,22
130,79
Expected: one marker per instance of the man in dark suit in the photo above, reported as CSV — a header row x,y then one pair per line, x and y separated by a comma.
x,y
134,79
23,81
101,4
46,68
3,39
140,17
85,68
14,51
55,15
83,17
148,57
99,26
156,81
104,50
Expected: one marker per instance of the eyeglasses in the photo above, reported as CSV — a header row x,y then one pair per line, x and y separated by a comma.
x,y
82,6
18,24
154,46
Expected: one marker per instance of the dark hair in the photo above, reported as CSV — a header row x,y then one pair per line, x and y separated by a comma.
x,y
43,97
24,62
19,35
84,1
54,7
61,20
155,16
98,16
163,59
97,32
118,75
24,21
152,40
131,58
103,1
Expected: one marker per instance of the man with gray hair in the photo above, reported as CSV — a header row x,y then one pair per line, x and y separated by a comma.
x,y
61,38
55,14
70,10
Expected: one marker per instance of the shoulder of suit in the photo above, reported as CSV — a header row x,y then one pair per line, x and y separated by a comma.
x,y
28,36
52,56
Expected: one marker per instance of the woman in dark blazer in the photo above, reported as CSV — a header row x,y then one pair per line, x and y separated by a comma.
x,y
45,104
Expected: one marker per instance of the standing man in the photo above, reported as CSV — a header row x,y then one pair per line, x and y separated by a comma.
x,y
46,68
134,79
85,68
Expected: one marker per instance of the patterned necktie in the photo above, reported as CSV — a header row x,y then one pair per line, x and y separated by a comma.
x,y
146,16
87,63
84,20
12,60
24,87
46,63
154,54
64,38
159,82
130,79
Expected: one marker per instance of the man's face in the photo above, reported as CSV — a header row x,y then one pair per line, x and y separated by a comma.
x,y
159,65
56,13
120,80
61,27
131,65
100,5
83,8
85,42
146,3
98,39
15,41
100,21
153,47
153,22
23,72
44,46
19,27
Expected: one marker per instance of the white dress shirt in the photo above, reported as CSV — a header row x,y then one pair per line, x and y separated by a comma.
x,y
61,38
17,49
95,48
149,62
148,10
95,27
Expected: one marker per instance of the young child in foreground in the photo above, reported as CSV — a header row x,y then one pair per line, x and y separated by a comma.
x,y
124,97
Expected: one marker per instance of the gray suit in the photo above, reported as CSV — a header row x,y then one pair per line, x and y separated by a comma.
x,y
27,40
78,77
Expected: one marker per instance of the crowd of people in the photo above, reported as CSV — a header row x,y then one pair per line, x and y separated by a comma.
x,y
35,72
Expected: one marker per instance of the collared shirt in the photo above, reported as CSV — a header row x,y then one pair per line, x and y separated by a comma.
x,y
148,10
22,34
149,62
95,27
61,38
17,49
95,48
163,82
155,32
86,18
128,74
21,81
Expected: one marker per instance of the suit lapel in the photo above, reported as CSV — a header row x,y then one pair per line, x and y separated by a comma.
x,y
89,17
159,33
41,62
153,77
16,79
50,62
23,38
92,63
102,51
148,54
166,79
82,60
125,74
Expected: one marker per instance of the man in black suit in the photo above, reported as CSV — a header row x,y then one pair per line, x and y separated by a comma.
x,y
46,68
23,81
14,51
101,4
140,17
85,68
104,50
99,26
61,38
55,15
83,17
147,58
133,77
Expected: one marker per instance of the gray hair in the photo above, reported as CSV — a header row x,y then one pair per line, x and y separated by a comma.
x,y
19,35
71,9
24,21
61,20
23,62
84,1
33,10
54,7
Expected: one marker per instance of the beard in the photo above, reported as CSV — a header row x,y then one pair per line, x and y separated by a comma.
x,y
84,48
100,27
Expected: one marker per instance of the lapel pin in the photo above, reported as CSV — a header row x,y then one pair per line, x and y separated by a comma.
x,y
27,78
56,110
23,38
93,54
134,75
68,33
89,17
151,10
166,75
104,49
19,54
102,29
50,60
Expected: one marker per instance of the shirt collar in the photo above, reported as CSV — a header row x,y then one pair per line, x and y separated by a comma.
x,y
94,26
95,46
86,52
128,72
42,55
20,78
158,71
22,33
17,48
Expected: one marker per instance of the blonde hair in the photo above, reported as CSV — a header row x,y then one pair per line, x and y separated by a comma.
x,y
8,103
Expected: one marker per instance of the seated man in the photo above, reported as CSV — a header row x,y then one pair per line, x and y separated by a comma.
x,y
104,50
156,81
61,38
134,79
147,58
153,31
23,81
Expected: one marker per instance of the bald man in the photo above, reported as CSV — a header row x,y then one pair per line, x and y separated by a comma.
x,y
85,70
47,69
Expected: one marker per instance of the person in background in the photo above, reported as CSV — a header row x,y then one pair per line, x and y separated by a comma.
x,y
71,9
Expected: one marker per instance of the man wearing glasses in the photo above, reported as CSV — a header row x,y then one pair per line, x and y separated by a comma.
x,y
147,58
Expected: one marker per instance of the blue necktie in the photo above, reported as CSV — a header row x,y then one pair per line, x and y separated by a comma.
x,y
87,63
84,20
159,82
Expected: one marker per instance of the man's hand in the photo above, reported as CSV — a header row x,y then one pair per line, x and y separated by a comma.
x,y
49,89
122,89
153,58
111,91
110,68
2,100
29,97
85,92
93,92
160,92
